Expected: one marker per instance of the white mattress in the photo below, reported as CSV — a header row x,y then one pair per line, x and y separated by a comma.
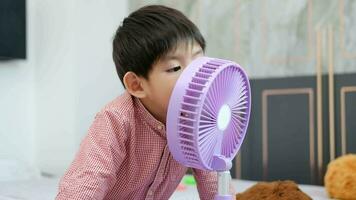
x,y
46,189
35,189
315,192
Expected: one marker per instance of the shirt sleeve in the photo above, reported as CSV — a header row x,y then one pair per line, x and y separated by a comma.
x,y
207,183
93,172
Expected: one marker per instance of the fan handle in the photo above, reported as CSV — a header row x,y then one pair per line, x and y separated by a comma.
x,y
223,186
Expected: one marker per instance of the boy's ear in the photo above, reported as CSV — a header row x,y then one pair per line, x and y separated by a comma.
x,y
133,85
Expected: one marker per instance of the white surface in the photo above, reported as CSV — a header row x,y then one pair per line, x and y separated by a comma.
x,y
315,192
46,189
14,170
36,189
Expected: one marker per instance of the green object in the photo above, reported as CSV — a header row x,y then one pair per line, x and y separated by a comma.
x,y
189,180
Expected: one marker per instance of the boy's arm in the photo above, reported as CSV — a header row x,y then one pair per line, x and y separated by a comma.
x,y
92,173
207,183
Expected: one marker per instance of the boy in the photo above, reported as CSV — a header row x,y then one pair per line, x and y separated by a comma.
x,y
125,154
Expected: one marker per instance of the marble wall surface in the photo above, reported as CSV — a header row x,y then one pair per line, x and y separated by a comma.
x,y
273,38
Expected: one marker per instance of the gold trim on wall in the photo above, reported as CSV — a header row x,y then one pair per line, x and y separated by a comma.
x,y
237,32
331,93
237,29
344,52
200,12
343,92
319,103
289,91
238,165
283,60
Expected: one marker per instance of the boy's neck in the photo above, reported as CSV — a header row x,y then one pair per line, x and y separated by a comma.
x,y
150,108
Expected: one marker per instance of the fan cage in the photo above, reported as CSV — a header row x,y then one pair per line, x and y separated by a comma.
x,y
198,149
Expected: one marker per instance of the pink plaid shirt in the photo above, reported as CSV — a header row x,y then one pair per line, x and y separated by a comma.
x,y
125,156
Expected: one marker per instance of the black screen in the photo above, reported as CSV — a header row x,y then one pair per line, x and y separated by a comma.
x,y
12,29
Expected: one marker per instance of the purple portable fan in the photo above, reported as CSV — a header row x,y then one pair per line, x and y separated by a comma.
x,y
207,118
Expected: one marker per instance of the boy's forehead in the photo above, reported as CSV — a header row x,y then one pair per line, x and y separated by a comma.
x,y
182,48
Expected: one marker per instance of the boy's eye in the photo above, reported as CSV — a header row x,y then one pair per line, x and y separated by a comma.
x,y
174,69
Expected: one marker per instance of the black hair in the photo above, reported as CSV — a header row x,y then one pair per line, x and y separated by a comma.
x,y
149,33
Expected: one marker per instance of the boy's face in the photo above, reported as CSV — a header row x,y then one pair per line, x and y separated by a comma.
x,y
163,76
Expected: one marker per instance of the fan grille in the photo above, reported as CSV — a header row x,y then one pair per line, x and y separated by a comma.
x,y
233,94
216,83
208,114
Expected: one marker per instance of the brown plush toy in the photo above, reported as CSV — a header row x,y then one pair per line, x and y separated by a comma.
x,y
340,178
278,190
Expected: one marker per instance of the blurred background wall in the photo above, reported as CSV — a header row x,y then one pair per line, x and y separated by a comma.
x,y
272,38
48,101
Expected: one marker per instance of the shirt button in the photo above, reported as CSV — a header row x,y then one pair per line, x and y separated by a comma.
x,y
160,127
150,192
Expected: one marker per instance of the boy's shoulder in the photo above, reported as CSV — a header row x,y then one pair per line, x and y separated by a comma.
x,y
115,118
121,106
